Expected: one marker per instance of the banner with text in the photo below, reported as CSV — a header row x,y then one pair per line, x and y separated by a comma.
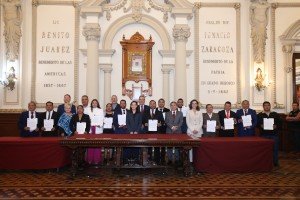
x,y
218,68
55,40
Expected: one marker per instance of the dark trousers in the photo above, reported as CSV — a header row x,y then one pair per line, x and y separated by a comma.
x,y
295,139
184,126
275,138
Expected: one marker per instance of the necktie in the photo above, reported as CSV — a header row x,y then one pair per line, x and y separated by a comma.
x,y
161,110
173,114
227,114
152,114
142,108
48,115
31,115
245,111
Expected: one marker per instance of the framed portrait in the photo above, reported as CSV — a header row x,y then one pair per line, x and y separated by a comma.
x,y
136,61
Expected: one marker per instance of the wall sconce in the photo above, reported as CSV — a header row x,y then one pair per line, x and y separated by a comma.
x,y
260,82
11,79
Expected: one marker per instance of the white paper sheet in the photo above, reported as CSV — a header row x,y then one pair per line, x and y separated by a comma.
x,y
108,122
32,123
80,127
48,124
122,119
97,120
228,123
211,126
152,125
247,120
268,123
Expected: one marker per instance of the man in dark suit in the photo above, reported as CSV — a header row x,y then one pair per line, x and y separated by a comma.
x,y
210,116
174,119
119,128
49,114
226,114
184,110
142,108
273,133
164,110
114,103
245,130
153,114
22,123
61,108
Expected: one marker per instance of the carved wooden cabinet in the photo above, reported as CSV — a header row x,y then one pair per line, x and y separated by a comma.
x,y
136,64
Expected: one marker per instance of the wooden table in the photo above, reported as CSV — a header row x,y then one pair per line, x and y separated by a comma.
x,y
118,141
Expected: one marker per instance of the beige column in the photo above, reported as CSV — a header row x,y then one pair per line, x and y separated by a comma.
x,y
107,84
91,31
181,33
288,50
166,84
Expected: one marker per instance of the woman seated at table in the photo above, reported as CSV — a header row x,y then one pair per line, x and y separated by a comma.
x,y
93,155
134,126
64,121
80,123
108,114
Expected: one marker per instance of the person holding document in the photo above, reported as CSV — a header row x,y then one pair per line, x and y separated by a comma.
x,y
153,119
48,121
108,119
246,119
194,120
28,121
80,123
227,120
93,155
269,123
119,119
211,122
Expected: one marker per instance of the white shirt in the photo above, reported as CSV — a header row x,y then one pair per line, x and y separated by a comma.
x,y
29,114
47,114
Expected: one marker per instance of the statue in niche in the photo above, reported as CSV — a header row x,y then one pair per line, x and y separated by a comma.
x,y
259,80
259,21
12,28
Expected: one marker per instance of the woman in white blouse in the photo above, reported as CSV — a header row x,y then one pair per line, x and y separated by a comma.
x,y
194,120
94,155
97,117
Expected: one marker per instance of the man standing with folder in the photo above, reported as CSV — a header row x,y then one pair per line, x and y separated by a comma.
x,y
246,119
269,122
48,121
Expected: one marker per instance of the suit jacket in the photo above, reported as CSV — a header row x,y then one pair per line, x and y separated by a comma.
x,y
206,118
85,118
158,116
222,116
61,109
22,123
117,107
54,117
277,122
146,109
119,130
170,121
163,128
134,122
194,121
246,131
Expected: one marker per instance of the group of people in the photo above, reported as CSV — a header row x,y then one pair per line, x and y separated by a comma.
x,y
90,118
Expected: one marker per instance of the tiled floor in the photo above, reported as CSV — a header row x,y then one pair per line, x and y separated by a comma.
x,y
281,183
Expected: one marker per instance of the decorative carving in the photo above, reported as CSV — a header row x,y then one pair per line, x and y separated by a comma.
x,y
108,7
91,31
181,32
137,63
165,8
137,6
259,21
12,28
288,50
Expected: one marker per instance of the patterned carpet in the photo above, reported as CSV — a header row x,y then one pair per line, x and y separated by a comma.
x,y
281,183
